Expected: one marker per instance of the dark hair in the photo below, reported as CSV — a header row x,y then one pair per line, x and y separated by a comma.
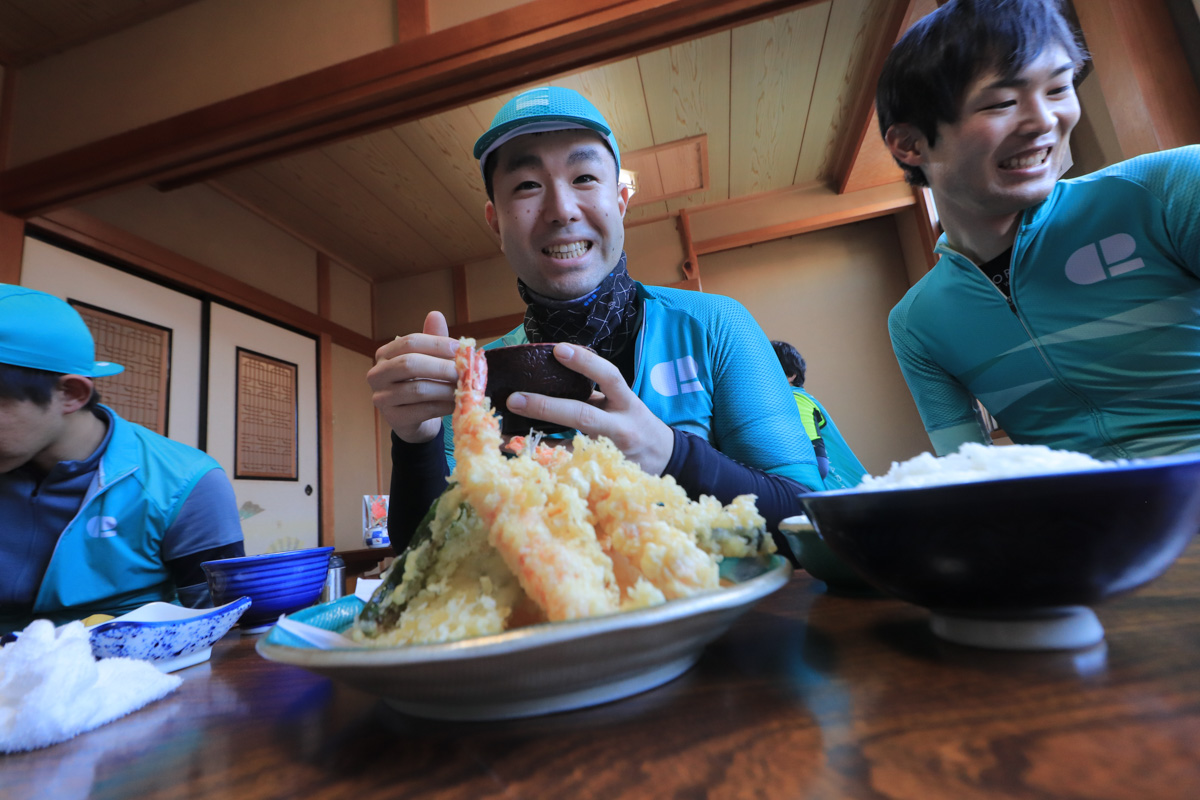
x,y
36,385
928,71
791,360
490,164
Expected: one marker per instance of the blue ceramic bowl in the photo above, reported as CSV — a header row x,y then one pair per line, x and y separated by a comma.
x,y
277,583
1012,548
169,636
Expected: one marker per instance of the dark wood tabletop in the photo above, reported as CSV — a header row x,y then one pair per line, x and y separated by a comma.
x,y
810,695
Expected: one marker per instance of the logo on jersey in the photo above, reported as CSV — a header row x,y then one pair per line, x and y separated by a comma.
x,y
671,378
1108,258
102,527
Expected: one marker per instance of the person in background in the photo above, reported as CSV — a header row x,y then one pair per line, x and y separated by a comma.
x,y
840,468
689,384
1069,308
98,515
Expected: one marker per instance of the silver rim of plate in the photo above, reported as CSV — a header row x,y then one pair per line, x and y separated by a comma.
x,y
545,668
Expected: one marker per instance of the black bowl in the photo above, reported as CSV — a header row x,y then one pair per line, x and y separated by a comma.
x,y
530,368
818,560
1012,545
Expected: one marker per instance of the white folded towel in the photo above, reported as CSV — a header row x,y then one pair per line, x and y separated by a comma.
x,y
52,688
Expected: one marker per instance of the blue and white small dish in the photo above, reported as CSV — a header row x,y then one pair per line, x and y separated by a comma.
x,y
170,637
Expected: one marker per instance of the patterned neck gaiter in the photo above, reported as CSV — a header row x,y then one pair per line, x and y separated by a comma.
x,y
604,319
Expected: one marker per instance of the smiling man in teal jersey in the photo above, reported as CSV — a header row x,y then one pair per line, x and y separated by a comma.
x,y
1069,308
690,385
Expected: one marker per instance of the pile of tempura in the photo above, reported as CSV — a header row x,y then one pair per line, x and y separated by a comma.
x,y
548,534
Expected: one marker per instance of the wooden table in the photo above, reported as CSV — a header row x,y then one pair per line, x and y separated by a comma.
x,y
809,696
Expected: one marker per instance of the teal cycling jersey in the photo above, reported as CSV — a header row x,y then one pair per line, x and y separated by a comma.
x,y
703,365
1098,347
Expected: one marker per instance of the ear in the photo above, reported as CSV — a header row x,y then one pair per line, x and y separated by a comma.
x,y
75,391
624,193
906,144
489,216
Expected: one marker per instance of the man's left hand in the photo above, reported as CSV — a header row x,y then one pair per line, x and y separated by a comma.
x,y
613,411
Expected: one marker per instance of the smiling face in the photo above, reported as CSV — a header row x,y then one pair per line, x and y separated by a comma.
x,y
559,211
1008,147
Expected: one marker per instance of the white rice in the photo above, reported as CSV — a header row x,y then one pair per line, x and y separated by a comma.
x,y
979,462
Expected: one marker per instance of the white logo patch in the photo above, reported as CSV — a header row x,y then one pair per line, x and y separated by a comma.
x,y
102,527
681,376
1108,258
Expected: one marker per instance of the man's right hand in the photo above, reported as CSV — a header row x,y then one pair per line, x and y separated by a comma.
x,y
413,380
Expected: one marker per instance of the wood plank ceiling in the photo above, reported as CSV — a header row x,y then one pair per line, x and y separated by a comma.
x,y
774,100
775,103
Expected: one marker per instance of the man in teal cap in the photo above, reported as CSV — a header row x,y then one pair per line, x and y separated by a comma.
x,y
98,515
690,385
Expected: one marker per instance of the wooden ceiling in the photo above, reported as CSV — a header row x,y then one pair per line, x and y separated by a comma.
x,y
778,102
775,101
31,30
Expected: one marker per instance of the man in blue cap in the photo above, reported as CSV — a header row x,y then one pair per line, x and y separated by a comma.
x,y
690,385
98,515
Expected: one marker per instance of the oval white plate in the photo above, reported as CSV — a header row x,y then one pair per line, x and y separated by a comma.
x,y
540,669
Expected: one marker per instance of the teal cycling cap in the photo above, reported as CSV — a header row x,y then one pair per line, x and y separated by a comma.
x,y
547,108
39,331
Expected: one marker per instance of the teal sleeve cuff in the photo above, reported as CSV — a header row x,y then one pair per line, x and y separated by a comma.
x,y
948,440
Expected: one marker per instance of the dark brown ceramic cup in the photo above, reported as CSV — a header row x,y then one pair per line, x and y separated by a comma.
x,y
530,368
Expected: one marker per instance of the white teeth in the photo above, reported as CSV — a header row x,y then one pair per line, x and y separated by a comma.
x,y
1026,161
572,250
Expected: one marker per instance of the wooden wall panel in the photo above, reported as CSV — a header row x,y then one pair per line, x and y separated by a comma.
x,y
8,93
33,29
774,68
321,185
325,406
687,94
12,248
431,74
384,166
258,193
1143,73
872,163
444,143
616,91
851,27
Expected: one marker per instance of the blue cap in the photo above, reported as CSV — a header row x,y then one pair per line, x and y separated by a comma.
x,y
40,331
547,108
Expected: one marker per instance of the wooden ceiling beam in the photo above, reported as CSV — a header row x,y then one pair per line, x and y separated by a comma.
x,y
423,76
901,17
1143,73
816,222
